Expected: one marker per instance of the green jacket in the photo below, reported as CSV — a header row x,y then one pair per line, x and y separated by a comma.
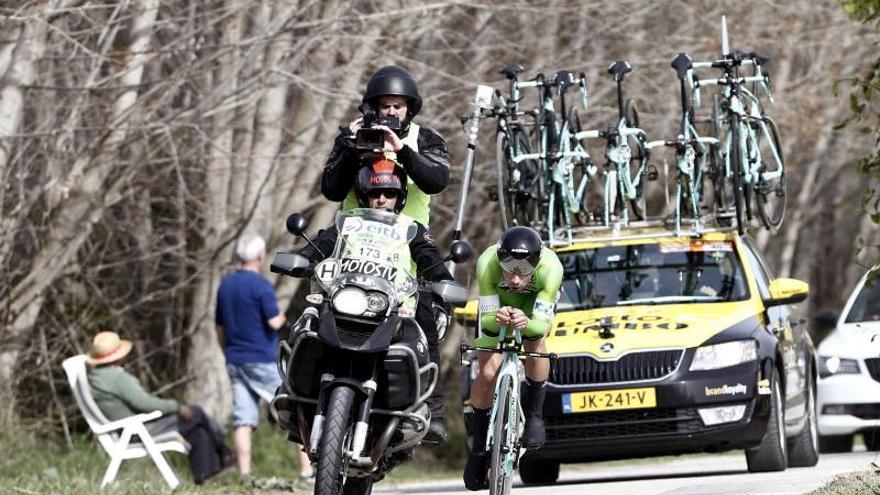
x,y
119,394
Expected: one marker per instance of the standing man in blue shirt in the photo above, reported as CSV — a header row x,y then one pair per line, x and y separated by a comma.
x,y
248,320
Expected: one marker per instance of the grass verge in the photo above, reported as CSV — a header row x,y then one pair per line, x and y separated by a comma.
x,y
32,465
858,483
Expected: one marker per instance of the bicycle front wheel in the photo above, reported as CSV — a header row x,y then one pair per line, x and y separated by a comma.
x,y
503,439
736,168
637,163
770,193
518,183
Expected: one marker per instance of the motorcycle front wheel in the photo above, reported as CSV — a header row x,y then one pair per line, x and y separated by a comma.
x,y
337,433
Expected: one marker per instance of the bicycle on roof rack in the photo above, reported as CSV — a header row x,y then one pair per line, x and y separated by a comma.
x,y
520,185
568,167
564,164
627,159
753,164
695,156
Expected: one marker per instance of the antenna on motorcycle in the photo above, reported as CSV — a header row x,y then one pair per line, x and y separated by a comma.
x,y
725,44
297,225
459,252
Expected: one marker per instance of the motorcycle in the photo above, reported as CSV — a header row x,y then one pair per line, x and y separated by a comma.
x,y
355,366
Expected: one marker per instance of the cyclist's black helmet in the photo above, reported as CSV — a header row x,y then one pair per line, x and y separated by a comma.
x,y
392,80
381,174
519,250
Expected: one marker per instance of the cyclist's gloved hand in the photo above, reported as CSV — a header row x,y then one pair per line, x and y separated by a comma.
x,y
518,319
441,318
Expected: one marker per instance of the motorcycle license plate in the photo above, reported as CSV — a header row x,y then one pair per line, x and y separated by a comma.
x,y
607,400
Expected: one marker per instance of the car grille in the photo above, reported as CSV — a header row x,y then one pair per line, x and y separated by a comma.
x,y
592,426
585,370
873,365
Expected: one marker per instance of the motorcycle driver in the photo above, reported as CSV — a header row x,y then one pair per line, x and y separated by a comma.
x,y
519,286
383,185
422,152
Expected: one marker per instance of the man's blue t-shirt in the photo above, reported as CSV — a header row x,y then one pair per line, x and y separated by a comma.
x,y
245,304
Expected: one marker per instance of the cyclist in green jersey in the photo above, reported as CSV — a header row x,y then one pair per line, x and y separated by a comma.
x,y
519,285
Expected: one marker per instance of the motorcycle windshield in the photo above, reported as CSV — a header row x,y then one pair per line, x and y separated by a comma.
x,y
375,243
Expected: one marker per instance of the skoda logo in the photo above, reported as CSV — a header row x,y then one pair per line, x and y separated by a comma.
x,y
606,347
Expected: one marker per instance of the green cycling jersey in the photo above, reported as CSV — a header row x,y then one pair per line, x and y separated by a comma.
x,y
537,300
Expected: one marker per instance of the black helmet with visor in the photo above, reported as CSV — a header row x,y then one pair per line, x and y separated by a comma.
x,y
519,250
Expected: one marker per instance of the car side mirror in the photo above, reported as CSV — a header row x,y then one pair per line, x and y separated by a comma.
x,y
460,251
786,291
297,224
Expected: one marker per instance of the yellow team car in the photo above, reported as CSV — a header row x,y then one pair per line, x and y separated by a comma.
x,y
670,345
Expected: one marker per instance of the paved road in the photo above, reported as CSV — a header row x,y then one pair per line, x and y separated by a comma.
x,y
683,475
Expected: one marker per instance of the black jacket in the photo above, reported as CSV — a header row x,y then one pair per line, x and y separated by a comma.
x,y
428,168
422,248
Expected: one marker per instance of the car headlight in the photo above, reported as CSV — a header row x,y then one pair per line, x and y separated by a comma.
x,y
713,357
376,302
833,365
351,301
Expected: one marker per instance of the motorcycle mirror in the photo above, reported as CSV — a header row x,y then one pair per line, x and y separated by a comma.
x,y
460,251
297,224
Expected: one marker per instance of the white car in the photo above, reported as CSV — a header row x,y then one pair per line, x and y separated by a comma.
x,y
848,394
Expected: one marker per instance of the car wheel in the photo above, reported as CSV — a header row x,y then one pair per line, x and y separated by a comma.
x,y
835,444
771,454
872,439
804,449
537,471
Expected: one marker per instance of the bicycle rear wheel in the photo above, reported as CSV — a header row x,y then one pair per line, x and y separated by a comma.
x,y
770,194
518,184
505,421
637,162
581,177
736,167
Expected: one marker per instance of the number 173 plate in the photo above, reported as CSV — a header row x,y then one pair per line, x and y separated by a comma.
x,y
606,400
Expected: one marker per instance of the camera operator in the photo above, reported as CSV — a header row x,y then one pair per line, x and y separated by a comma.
x,y
392,97
390,92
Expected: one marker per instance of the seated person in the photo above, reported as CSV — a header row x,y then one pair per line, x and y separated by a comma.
x,y
118,394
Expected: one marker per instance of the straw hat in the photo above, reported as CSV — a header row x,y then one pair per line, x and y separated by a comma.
x,y
107,347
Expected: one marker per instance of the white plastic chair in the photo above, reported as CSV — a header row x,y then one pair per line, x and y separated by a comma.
x,y
116,436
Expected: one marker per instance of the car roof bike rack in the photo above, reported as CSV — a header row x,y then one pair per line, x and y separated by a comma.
x,y
642,229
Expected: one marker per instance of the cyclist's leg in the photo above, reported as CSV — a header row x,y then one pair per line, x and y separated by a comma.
x,y
537,372
476,469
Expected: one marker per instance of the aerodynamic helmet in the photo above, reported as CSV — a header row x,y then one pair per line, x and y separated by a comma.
x,y
519,250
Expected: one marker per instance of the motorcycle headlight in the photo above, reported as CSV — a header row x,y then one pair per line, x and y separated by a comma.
x,y
376,302
351,301
833,365
713,357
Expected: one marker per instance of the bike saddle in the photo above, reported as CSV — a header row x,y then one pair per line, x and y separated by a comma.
x,y
563,79
760,60
619,69
511,70
736,56
682,63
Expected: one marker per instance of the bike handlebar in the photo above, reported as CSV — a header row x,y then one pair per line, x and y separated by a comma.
x,y
604,133
675,143
547,355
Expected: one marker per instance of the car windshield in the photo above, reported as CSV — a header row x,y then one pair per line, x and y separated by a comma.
x,y
867,304
673,272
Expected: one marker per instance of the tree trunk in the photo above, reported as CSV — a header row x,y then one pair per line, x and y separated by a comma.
x,y
90,197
